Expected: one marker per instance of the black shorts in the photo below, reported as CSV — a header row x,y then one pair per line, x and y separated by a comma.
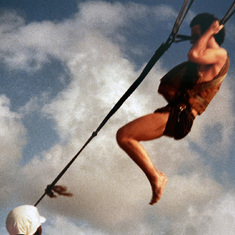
x,y
180,120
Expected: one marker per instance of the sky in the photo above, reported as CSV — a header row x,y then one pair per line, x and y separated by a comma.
x,y
64,65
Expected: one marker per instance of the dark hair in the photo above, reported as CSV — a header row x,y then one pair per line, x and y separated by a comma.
x,y
39,231
204,20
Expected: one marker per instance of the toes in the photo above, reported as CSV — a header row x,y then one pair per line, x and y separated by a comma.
x,y
158,191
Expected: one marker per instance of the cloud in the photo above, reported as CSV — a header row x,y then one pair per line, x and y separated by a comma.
x,y
10,21
30,46
217,217
12,141
65,226
12,132
111,194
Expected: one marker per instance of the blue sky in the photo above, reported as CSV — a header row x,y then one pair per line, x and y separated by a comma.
x,y
64,64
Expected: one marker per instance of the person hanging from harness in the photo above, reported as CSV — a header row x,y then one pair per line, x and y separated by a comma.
x,y
188,88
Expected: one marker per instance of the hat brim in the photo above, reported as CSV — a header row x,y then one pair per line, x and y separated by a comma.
x,y
42,219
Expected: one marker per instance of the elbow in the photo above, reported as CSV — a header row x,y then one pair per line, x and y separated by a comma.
x,y
193,56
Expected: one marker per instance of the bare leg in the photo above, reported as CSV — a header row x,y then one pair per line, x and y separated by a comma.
x,y
145,128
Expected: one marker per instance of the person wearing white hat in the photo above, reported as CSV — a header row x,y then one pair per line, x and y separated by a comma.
x,y
24,220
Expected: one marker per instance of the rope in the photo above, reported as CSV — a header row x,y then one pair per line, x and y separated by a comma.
x,y
159,52
180,18
229,14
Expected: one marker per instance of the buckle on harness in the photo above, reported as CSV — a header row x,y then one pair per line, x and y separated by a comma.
x,y
182,107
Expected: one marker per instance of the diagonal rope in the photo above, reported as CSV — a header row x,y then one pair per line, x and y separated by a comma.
x,y
229,14
181,18
159,52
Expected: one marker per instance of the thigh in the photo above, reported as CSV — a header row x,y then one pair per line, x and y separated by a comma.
x,y
148,127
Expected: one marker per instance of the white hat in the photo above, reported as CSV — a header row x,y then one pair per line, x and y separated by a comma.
x,y
24,220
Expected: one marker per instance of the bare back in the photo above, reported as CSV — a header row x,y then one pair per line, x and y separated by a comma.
x,y
208,72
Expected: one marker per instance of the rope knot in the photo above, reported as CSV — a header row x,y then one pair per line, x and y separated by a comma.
x,y
61,190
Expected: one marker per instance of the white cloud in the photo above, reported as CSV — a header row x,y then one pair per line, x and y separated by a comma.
x,y
10,21
65,226
110,192
12,141
216,217
12,133
29,46
34,104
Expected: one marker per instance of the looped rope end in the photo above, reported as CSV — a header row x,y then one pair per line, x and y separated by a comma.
x,y
61,190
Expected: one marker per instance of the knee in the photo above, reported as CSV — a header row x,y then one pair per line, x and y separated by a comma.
x,y
121,137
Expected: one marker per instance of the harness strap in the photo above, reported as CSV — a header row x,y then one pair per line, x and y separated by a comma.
x,y
205,85
229,14
180,18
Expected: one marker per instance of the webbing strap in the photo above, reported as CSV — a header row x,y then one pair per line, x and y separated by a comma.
x,y
180,18
229,14
203,86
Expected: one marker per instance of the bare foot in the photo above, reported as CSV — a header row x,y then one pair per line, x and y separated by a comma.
x,y
158,187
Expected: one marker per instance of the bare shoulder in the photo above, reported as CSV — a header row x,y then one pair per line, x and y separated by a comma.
x,y
209,56
212,65
223,54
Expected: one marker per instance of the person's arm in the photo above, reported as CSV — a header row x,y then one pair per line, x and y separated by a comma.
x,y
202,53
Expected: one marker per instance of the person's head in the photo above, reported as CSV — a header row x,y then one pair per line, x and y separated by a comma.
x,y
24,220
204,21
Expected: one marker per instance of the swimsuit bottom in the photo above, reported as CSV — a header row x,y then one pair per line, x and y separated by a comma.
x,y
180,120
